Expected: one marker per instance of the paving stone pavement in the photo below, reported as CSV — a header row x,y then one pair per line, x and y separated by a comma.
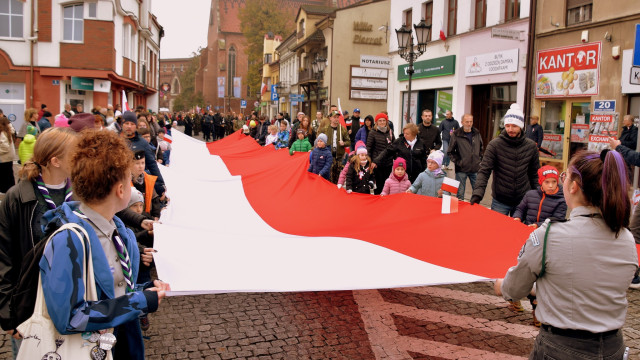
x,y
463,321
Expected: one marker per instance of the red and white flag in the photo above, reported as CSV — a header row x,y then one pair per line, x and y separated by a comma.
x,y
443,37
125,101
449,204
168,138
450,185
263,89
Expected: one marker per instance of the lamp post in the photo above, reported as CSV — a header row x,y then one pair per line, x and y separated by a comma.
x,y
318,65
405,49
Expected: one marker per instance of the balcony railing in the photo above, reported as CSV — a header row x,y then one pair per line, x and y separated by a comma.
x,y
305,75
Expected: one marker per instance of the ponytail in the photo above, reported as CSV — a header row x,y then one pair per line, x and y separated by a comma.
x,y
604,183
616,206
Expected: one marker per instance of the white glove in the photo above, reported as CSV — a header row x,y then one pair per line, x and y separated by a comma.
x,y
349,191
339,186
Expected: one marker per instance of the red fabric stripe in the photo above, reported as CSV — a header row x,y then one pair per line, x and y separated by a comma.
x,y
446,187
476,240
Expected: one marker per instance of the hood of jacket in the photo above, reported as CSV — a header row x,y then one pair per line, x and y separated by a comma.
x,y
29,139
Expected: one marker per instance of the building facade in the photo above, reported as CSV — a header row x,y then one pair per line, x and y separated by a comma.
x,y
288,74
171,70
270,99
475,61
582,82
80,53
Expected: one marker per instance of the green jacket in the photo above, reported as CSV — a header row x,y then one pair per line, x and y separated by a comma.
x,y
300,145
25,150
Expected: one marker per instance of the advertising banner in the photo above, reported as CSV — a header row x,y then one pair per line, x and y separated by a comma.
x,y
553,144
441,66
409,116
568,71
601,128
492,63
237,87
221,86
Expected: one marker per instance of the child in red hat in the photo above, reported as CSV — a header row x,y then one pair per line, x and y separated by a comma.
x,y
398,181
545,202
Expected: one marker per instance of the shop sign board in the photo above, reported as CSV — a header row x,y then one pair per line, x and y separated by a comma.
x,y
505,34
492,63
368,95
369,72
79,83
601,128
634,79
568,71
604,105
441,66
369,83
371,61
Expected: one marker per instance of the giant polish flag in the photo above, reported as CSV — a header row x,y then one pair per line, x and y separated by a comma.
x,y
249,218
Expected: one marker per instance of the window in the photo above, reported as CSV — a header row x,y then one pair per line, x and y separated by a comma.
x,y
93,10
481,13
126,41
427,12
173,67
407,18
578,11
181,67
164,68
452,17
11,18
231,69
267,58
512,11
301,29
73,23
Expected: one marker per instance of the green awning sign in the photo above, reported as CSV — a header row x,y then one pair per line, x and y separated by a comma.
x,y
78,83
441,66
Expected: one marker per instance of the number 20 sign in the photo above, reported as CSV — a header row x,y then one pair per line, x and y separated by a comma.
x,y
604,105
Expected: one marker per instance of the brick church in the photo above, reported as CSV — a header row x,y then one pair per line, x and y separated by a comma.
x,y
222,76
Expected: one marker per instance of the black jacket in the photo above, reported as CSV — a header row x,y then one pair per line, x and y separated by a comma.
x,y
262,130
535,133
514,163
430,136
536,207
447,126
377,142
416,158
359,181
355,126
629,137
18,219
632,157
466,154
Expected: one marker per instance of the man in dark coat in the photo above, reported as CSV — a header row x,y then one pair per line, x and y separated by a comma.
x,y
354,127
629,136
428,133
207,126
379,139
513,160
447,127
465,150
535,131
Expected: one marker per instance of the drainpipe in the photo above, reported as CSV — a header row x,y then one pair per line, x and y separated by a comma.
x,y
530,59
32,40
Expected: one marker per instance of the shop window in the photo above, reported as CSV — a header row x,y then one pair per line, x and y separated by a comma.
x,y
11,18
512,10
407,17
73,23
481,14
427,12
126,41
452,18
578,11
552,120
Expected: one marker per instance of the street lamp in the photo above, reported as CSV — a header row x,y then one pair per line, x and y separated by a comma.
x,y
318,65
405,48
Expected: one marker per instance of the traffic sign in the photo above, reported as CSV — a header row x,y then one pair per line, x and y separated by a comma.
x,y
604,105
274,93
243,104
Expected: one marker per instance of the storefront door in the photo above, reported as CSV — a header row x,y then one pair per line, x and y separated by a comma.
x,y
560,141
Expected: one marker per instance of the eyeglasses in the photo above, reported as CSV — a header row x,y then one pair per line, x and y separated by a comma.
x,y
563,176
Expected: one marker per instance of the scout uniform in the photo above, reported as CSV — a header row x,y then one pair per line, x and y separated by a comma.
x,y
582,287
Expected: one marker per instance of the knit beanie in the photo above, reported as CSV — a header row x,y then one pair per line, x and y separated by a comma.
x,y
61,121
381,116
359,144
130,117
31,130
321,137
79,122
136,197
547,172
399,162
361,150
436,156
514,116
252,123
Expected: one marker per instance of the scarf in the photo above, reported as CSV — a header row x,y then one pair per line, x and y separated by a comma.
x,y
45,192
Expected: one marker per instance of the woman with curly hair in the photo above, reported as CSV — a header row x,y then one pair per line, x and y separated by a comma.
x,y
101,177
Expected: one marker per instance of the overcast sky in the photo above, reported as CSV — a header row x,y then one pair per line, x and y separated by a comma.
x,y
185,26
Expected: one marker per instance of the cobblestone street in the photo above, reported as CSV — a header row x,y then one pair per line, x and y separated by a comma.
x,y
438,322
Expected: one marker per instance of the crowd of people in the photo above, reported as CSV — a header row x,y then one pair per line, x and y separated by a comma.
x,y
99,170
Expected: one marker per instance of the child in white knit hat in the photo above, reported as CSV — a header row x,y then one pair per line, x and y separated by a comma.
x,y
429,182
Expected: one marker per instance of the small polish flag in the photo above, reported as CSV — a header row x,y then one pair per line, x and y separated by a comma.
x,y
124,100
443,37
449,204
168,138
342,122
450,185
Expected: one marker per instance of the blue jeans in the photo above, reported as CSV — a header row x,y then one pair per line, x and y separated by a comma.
x,y
15,346
503,208
445,146
554,346
462,177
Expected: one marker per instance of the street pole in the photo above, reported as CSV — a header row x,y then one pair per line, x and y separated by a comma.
x,y
410,72
406,51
